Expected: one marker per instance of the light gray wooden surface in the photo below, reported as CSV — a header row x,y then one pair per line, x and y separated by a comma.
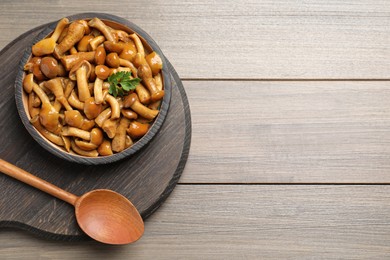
x,y
290,154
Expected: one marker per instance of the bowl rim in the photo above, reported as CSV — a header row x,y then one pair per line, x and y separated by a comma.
x,y
139,144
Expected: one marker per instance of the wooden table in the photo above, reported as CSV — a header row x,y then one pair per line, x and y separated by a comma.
x,y
290,106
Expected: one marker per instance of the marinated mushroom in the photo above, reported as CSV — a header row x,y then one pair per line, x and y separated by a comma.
x,y
55,86
48,115
81,72
109,127
49,67
82,152
91,108
71,96
137,129
83,44
75,102
47,45
74,34
155,63
105,148
70,60
95,42
98,24
76,119
100,119
114,104
49,135
94,142
146,75
138,44
119,140
132,102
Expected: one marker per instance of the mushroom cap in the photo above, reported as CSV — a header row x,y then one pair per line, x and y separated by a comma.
x,y
49,67
91,109
96,136
74,118
155,62
28,83
112,60
81,64
129,100
105,148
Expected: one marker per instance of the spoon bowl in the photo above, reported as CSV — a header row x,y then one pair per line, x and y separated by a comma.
x,y
104,215
108,216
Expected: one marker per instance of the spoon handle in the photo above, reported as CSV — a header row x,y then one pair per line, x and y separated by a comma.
x,y
26,177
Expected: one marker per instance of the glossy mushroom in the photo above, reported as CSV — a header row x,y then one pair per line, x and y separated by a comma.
x,y
137,130
155,63
47,45
56,139
76,119
94,142
145,74
75,33
104,148
81,72
98,24
74,101
91,108
131,101
48,115
55,86
119,140
71,60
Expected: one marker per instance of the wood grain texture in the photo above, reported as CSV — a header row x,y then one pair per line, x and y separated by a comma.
x,y
256,222
146,179
289,132
250,135
247,39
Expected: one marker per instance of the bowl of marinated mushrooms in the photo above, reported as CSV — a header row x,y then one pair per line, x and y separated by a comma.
x,y
93,90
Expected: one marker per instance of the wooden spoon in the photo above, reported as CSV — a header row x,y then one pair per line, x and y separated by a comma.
x,y
104,215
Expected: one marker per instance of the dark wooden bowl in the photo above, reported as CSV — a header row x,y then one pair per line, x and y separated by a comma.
x,y
21,97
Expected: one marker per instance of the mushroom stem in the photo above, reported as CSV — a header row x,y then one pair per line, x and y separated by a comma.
x,y
76,119
98,24
55,86
119,140
49,135
98,90
96,140
75,33
47,45
129,64
71,60
82,152
32,109
146,75
76,132
95,42
81,72
59,28
74,101
104,115
109,127
143,94
138,44
132,102
115,108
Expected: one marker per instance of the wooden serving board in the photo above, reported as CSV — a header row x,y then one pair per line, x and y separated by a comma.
x,y
147,178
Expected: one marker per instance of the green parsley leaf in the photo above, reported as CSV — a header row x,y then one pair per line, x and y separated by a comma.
x,y
121,83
